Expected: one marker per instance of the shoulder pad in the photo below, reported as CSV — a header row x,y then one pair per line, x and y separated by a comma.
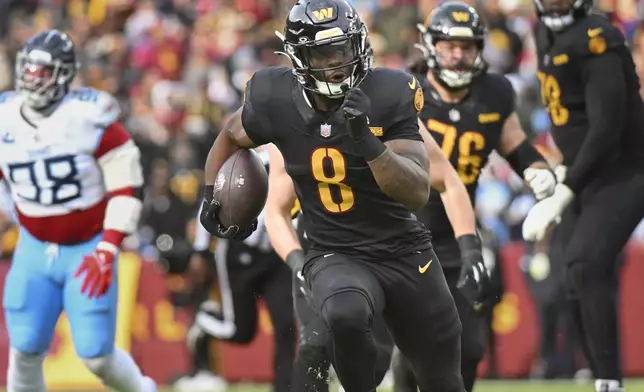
x,y
259,87
499,93
391,84
595,36
98,105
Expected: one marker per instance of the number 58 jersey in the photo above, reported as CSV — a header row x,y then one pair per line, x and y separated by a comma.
x,y
54,168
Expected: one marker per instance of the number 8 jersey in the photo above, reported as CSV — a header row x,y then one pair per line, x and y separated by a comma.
x,y
346,212
467,131
60,171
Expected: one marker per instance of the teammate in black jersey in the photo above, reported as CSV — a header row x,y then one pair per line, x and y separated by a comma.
x,y
591,90
349,136
470,113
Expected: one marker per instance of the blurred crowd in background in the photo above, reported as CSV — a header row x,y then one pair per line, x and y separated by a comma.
x,y
178,67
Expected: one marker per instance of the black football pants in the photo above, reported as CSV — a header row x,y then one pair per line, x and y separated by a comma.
x,y
315,348
592,232
472,337
245,274
412,295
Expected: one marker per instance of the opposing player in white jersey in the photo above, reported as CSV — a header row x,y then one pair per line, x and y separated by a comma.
x,y
75,178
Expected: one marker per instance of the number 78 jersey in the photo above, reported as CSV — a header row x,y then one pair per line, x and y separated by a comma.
x,y
53,169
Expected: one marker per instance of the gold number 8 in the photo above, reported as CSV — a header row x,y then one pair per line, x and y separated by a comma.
x,y
325,181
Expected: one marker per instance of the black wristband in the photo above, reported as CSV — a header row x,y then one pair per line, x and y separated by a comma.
x,y
295,259
468,243
369,146
209,193
523,157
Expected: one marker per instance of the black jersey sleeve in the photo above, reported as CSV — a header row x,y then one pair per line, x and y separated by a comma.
x,y
506,97
255,117
603,60
410,102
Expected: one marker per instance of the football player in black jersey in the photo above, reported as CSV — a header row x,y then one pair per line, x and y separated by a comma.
x,y
470,113
314,357
350,140
590,88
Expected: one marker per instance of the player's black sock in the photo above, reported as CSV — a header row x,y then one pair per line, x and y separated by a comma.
x,y
311,373
596,314
201,353
283,359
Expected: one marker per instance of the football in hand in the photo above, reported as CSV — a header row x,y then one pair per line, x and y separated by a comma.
x,y
241,188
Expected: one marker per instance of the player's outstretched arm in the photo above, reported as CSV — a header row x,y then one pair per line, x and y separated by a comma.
x,y
280,200
453,193
524,158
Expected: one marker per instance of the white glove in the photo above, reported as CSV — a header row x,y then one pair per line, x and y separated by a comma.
x,y
546,212
560,172
541,181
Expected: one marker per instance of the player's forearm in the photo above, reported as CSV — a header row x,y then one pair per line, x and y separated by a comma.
x,y
605,106
402,179
281,233
458,208
221,150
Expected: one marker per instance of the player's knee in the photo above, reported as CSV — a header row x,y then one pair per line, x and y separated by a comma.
x,y
29,341
244,334
347,312
98,365
93,346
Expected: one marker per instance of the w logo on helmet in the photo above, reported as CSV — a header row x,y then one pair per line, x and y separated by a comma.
x,y
462,17
323,14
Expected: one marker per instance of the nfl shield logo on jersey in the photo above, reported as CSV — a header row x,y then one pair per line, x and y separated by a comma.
x,y
325,130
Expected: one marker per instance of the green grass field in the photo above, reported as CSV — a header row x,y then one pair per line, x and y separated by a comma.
x,y
482,386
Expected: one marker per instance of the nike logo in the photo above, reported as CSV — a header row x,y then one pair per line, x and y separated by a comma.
x,y
412,85
423,269
594,32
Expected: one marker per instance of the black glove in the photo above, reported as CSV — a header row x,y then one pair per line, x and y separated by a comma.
x,y
474,280
356,105
295,260
210,220
355,108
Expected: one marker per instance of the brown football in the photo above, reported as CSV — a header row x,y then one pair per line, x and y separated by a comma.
x,y
241,188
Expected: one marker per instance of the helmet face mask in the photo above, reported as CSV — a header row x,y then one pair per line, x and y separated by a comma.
x,y
42,77
456,61
452,43
328,54
559,14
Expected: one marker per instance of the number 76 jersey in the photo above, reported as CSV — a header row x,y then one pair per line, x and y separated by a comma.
x,y
467,131
53,169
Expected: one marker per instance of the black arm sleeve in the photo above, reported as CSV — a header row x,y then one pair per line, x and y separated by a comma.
x,y
605,93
